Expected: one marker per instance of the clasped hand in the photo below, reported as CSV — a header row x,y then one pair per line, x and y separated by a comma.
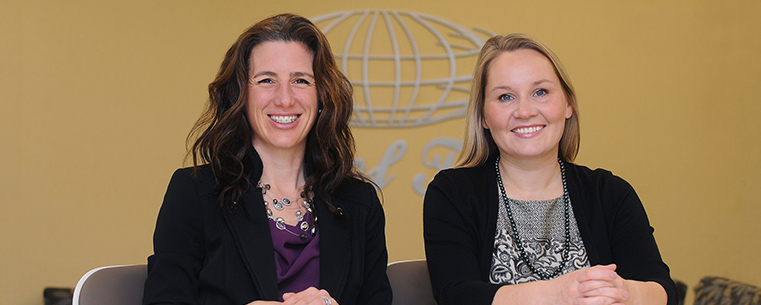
x,y
309,296
598,285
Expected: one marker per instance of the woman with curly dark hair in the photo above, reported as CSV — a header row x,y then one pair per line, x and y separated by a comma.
x,y
273,210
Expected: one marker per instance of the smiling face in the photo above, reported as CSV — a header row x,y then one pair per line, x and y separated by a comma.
x,y
525,107
282,97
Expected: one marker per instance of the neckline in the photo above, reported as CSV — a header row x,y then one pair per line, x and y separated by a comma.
x,y
536,201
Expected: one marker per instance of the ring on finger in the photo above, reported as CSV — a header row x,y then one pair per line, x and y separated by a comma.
x,y
327,300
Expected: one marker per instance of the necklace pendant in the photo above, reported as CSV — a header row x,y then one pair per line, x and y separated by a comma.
x,y
286,201
263,186
280,224
278,205
305,226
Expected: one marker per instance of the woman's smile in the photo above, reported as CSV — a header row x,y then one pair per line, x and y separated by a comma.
x,y
284,119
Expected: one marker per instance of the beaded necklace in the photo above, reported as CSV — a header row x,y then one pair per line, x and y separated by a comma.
x,y
281,204
522,252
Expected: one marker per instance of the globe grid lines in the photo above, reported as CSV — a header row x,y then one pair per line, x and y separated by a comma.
x,y
369,115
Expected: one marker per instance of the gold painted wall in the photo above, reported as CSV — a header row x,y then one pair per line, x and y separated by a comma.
x,y
96,98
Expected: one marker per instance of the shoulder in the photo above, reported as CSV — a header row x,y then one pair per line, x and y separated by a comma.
x,y
599,187
452,181
463,172
199,180
459,175
470,192
586,177
358,200
201,171
189,193
356,192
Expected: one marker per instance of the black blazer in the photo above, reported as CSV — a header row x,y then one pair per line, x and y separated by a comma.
x,y
203,254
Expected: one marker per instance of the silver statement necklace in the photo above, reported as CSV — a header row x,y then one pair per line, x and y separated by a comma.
x,y
280,204
518,244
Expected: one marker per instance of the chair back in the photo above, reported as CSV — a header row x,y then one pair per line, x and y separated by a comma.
x,y
410,283
111,285
715,290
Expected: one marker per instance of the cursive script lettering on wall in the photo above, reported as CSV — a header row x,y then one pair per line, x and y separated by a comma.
x,y
438,154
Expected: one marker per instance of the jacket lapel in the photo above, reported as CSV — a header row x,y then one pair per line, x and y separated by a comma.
x,y
335,249
250,228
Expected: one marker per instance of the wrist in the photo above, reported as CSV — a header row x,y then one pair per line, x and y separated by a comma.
x,y
533,293
645,293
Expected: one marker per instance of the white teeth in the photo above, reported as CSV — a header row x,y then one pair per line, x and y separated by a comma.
x,y
528,129
284,119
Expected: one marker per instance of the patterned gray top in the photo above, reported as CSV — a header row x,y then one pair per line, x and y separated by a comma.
x,y
541,227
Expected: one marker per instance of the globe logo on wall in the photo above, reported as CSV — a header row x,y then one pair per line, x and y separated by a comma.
x,y
408,69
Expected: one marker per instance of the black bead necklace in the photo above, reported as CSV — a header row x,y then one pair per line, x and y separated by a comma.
x,y
542,275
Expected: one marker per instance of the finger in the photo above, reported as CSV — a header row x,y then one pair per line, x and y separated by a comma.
x,y
328,300
599,273
617,294
609,266
614,279
590,285
311,296
302,297
595,301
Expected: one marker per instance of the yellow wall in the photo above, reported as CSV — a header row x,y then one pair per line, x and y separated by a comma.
x,y
96,98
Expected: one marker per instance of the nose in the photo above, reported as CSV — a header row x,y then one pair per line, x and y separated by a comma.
x,y
284,96
524,108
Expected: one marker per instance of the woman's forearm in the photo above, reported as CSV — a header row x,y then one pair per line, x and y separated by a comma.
x,y
583,286
552,292
527,293
646,293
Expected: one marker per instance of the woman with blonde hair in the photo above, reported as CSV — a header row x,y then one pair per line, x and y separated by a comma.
x,y
516,222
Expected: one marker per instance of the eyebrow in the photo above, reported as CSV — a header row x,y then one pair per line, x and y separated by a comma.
x,y
539,82
294,74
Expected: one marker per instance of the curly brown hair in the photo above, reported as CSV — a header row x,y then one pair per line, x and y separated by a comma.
x,y
224,134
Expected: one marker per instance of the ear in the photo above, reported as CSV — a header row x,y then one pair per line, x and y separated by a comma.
x,y
484,124
568,110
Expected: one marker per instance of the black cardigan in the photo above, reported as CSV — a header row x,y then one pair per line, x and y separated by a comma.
x,y
205,255
460,215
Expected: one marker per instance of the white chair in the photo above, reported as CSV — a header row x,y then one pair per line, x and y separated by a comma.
x,y
410,283
111,285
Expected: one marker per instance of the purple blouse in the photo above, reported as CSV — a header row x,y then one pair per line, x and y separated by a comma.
x,y
297,260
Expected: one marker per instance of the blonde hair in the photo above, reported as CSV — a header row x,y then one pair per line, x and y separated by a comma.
x,y
479,145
